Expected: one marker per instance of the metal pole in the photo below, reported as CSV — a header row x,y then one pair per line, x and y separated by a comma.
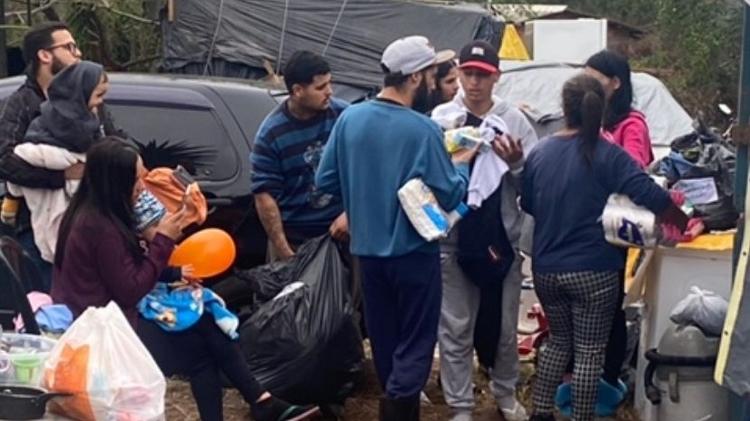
x,y
743,115
740,410
3,47
28,13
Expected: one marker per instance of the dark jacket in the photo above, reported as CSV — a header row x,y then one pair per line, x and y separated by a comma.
x,y
16,114
98,267
66,120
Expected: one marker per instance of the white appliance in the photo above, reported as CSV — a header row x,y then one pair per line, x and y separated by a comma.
x,y
568,41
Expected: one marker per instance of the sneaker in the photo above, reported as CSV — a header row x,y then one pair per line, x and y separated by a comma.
x,y
517,413
275,409
461,415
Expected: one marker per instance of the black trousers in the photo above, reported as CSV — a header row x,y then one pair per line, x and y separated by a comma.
x,y
200,353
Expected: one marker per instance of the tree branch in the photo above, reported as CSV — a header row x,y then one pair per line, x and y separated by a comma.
x,y
37,10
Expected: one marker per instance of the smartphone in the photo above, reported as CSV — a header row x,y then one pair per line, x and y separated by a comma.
x,y
183,176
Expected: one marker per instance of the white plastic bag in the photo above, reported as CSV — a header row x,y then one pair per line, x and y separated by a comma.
x,y
629,225
111,374
701,308
424,212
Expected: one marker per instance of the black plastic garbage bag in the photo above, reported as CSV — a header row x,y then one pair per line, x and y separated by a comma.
x,y
303,345
704,164
268,280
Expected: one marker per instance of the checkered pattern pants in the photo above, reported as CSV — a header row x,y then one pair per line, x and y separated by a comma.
x,y
580,307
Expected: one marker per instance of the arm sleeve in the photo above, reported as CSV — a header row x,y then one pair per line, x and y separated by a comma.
x,y
527,187
447,182
14,121
265,159
327,177
128,279
625,177
637,143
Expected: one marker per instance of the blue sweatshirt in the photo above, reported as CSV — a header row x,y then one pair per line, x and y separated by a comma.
x,y
566,197
374,149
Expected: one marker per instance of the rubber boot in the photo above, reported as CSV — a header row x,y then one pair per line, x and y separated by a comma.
x,y
403,409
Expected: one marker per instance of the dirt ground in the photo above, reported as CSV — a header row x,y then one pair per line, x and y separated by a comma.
x,y
363,405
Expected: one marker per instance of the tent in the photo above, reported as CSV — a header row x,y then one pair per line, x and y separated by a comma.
x,y
233,38
536,88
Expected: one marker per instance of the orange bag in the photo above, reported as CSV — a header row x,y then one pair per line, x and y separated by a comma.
x,y
171,192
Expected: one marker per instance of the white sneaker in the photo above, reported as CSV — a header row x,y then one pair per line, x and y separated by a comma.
x,y
517,413
461,415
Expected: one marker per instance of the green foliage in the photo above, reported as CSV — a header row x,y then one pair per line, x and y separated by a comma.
x,y
692,45
112,32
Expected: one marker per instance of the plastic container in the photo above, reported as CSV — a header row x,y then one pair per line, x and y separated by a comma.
x,y
22,358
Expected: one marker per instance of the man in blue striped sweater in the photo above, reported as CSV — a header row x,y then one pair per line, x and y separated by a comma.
x,y
286,154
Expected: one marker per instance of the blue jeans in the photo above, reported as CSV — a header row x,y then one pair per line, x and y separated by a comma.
x,y
26,239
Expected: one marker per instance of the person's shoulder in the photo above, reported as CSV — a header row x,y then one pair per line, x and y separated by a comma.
x,y
545,144
338,105
275,119
447,107
516,118
27,96
635,120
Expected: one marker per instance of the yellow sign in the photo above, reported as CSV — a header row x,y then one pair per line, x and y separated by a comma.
x,y
512,48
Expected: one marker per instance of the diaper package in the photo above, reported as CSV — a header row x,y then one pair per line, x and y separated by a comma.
x,y
424,212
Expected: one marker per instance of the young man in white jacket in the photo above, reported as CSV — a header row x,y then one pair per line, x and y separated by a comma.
x,y
479,72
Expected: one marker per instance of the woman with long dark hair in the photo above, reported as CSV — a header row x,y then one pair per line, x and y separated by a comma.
x,y
627,128
101,257
567,180
446,84
622,124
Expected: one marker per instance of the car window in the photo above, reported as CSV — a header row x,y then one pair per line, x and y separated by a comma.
x,y
194,138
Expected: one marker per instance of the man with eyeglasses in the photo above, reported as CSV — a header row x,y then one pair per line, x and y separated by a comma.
x,y
48,48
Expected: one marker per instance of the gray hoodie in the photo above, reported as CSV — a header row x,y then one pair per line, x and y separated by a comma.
x,y
515,221
65,119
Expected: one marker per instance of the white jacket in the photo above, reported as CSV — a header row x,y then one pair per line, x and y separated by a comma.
x,y
46,206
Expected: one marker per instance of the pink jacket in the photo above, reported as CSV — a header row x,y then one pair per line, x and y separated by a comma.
x,y
631,134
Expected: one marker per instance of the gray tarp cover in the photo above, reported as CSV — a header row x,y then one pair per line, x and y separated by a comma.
x,y
248,31
539,86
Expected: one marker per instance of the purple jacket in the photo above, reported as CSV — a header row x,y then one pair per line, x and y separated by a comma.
x,y
98,267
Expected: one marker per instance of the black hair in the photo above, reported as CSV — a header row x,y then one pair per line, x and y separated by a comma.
x,y
583,106
107,189
395,80
302,67
39,37
612,64
443,69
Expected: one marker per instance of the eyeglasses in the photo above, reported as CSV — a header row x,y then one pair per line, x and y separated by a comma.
x,y
70,46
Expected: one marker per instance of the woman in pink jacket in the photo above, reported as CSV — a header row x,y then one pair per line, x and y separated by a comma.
x,y
622,124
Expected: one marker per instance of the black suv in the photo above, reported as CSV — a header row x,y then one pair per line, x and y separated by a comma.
x,y
208,124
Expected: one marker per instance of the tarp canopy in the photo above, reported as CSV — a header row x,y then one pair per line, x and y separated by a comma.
x,y
236,36
536,88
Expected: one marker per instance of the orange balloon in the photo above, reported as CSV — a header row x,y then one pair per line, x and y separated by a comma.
x,y
211,251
